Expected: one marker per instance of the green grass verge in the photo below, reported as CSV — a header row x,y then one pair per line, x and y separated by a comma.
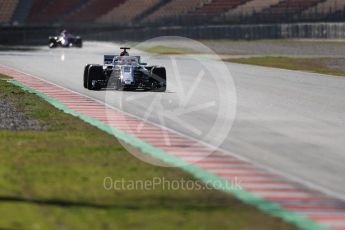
x,y
53,179
167,50
315,65
276,41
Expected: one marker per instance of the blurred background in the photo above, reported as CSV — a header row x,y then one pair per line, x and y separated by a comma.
x,y
290,121
29,21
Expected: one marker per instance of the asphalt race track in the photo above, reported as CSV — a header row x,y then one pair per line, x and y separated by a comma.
x,y
291,122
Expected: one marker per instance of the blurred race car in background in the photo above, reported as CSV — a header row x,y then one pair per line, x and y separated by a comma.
x,y
124,72
66,40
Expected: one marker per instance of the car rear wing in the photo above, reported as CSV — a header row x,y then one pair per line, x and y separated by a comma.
x,y
108,59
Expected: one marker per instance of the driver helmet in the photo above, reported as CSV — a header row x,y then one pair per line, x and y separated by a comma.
x,y
64,32
124,53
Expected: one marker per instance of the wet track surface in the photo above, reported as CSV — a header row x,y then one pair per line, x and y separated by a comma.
x,y
292,122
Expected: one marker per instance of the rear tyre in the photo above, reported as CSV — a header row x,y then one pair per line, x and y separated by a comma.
x,y
79,43
159,79
94,76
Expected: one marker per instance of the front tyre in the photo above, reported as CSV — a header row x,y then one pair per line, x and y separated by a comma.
x,y
159,79
95,74
79,42
86,75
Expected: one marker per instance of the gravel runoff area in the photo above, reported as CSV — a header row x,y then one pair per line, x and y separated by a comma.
x,y
12,119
